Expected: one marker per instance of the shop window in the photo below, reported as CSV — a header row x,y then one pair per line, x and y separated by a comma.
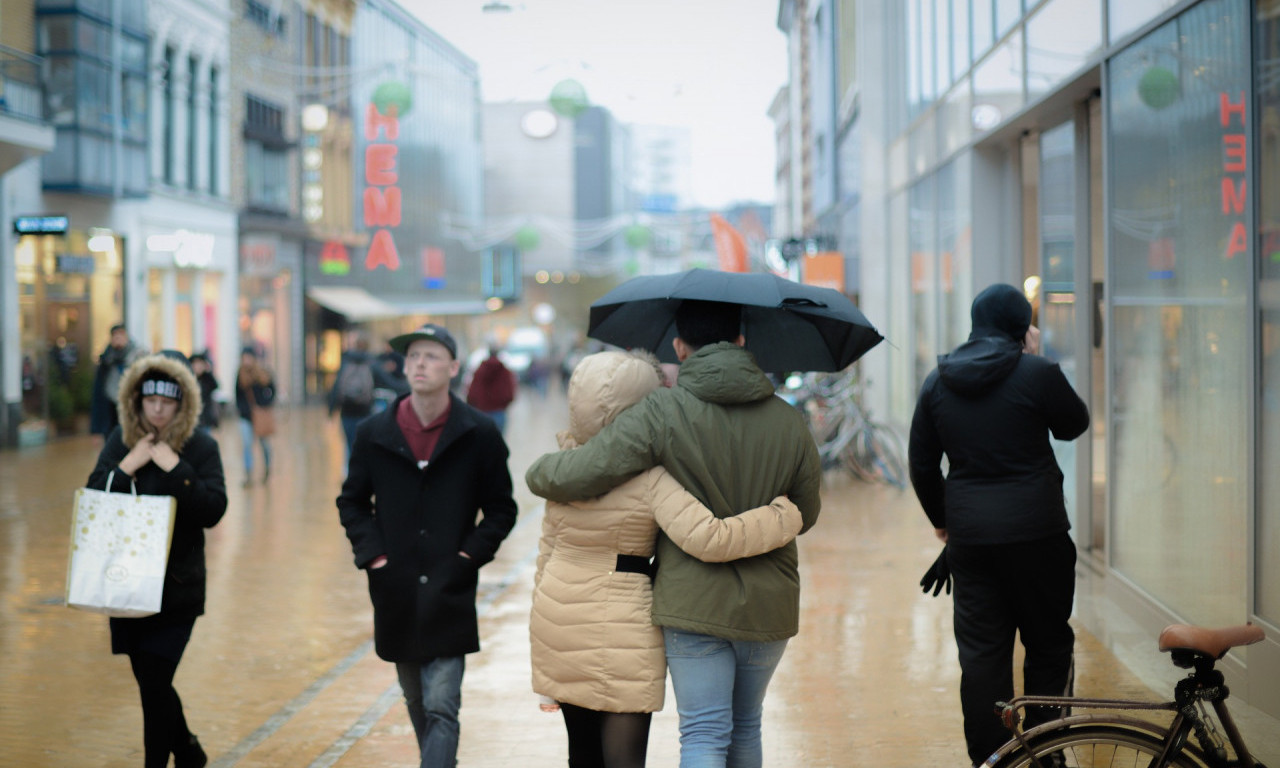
x,y
1179,116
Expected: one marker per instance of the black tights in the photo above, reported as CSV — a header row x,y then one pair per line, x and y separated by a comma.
x,y
606,739
164,728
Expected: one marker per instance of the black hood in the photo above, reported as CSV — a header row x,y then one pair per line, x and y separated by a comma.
x,y
979,364
1000,310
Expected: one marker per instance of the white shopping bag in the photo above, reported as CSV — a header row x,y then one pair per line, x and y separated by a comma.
x,y
119,550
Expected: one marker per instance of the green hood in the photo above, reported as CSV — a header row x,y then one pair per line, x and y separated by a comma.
x,y
724,374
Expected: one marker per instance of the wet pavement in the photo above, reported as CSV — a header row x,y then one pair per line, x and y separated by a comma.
x,y
281,672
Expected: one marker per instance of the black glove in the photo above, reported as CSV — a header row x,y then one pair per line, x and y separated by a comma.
x,y
938,576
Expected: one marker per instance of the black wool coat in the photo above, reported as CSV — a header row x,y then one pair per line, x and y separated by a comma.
x,y
196,482
424,598
990,409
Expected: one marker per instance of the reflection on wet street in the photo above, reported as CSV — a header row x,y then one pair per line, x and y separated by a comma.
x,y
281,672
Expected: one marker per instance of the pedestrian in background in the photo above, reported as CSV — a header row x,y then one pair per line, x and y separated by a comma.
x,y
595,651
352,394
493,388
202,367
420,473
722,434
393,382
255,390
157,449
121,351
990,407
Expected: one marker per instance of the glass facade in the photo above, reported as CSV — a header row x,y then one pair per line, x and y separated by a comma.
x,y
1180,282
1062,36
1267,529
69,295
417,131
1056,304
1156,287
77,43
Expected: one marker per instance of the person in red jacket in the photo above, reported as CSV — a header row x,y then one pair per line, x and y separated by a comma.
x,y
493,387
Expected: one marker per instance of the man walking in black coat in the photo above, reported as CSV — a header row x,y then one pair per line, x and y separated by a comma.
x,y
419,473
990,407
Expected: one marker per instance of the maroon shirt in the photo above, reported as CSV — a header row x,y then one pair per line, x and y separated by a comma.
x,y
422,439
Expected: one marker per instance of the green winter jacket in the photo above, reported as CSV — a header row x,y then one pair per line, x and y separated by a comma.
x,y
724,436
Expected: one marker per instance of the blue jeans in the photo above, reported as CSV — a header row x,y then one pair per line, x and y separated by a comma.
x,y
433,694
247,438
349,424
720,686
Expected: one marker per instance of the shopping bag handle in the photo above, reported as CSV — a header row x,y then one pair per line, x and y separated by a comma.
x,y
133,483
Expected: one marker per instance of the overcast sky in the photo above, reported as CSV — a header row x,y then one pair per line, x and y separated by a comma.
x,y
712,65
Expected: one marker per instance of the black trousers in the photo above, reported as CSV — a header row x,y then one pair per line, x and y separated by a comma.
x,y
1001,590
606,739
164,727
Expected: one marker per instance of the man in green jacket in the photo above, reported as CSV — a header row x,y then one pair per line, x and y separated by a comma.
x,y
721,432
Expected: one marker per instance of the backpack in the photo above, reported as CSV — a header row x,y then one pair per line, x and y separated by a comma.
x,y
355,385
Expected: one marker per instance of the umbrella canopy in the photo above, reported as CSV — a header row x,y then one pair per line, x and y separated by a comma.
x,y
788,326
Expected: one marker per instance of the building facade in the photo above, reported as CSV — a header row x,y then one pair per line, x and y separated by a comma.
x,y
1115,159
25,135
417,183
269,47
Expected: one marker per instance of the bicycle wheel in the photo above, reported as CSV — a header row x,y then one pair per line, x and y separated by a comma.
x,y
887,450
1095,746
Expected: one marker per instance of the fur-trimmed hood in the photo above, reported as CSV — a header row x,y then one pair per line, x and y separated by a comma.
x,y
129,404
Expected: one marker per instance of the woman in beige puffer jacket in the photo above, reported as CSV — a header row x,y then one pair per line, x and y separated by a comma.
x,y
595,650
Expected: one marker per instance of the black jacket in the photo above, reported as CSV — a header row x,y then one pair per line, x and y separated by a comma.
x,y
196,482
991,409
424,598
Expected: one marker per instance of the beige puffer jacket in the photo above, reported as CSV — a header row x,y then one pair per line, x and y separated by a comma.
x,y
593,641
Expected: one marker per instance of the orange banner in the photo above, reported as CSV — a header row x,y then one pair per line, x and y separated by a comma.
x,y
825,269
731,247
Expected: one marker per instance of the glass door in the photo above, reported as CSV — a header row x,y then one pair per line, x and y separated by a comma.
x,y
1057,294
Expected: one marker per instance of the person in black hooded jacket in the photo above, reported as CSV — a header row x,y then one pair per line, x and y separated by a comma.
x,y
990,407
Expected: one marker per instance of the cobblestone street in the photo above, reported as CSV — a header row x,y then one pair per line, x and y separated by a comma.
x,y
281,672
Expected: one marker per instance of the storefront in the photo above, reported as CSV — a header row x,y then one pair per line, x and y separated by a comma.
x,y
189,258
270,308
70,293
1119,161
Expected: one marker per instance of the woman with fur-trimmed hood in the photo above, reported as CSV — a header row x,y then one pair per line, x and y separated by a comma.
x,y
158,450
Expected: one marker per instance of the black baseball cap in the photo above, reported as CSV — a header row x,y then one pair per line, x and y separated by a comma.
x,y
428,332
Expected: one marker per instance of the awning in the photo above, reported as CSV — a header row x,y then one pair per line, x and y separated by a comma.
x,y
355,303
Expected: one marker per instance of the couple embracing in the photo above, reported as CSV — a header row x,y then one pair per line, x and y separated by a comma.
x,y
713,477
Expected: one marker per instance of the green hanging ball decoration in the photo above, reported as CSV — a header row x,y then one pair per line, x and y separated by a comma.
x,y
1158,87
569,98
637,237
631,267
527,238
393,93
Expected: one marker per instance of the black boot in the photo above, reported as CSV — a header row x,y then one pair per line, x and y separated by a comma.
x,y
190,755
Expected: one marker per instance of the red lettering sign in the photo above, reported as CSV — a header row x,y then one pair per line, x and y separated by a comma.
x,y
382,207
381,197
1235,160
382,252
375,122
380,164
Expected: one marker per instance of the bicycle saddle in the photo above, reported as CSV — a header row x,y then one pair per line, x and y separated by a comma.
x,y
1211,642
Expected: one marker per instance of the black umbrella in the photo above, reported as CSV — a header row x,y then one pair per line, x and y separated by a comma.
x,y
788,326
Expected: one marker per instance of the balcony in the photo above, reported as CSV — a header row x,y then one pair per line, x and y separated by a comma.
x,y
24,134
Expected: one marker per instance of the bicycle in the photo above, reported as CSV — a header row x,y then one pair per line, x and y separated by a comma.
x,y
1110,738
845,435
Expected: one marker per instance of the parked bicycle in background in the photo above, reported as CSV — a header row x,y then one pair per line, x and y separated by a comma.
x,y
846,435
